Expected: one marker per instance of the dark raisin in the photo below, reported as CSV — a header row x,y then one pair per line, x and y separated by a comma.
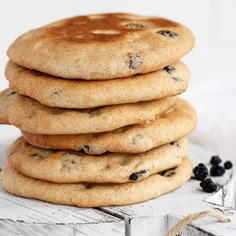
x,y
208,185
11,93
135,26
134,61
96,150
215,160
86,148
56,93
175,143
167,33
200,172
169,69
228,165
175,78
137,175
73,161
217,170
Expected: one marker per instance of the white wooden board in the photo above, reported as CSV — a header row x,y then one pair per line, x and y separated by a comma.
x,y
155,217
19,216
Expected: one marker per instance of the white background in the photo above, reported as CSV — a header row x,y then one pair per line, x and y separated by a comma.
x,y
213,84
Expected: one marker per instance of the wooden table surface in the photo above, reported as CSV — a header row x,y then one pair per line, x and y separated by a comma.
x,y
19,216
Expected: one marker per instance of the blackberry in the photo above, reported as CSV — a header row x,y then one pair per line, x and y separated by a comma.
x,y
215,160
228,165
200,172
208,185
217,170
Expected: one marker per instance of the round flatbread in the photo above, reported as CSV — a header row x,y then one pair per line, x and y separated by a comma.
x,y
32,116
95,195
6,101
102,46
55,92
171,126
71,166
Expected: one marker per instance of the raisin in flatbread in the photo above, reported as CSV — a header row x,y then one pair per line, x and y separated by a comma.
x,y
58,92
102,46
178,122
32,116
92,194
71,166
55,92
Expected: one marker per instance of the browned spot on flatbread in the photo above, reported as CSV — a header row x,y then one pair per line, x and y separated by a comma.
x,y
102,28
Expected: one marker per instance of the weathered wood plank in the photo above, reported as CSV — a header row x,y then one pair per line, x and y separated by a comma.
x,y
102,229
25,217
180,203
207,226
19,216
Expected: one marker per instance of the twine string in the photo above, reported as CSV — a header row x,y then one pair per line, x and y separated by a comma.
x,y
195,216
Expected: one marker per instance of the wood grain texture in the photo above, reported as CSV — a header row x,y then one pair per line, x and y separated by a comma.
x,y
19,216
25,216
184,201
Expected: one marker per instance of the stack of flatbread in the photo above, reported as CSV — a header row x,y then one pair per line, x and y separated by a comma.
x,y
95,99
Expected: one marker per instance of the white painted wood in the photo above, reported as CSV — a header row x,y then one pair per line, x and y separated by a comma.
x,y
26,216
157,216
19,216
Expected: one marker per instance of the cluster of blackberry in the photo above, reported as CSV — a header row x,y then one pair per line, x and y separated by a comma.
x,y
201,172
